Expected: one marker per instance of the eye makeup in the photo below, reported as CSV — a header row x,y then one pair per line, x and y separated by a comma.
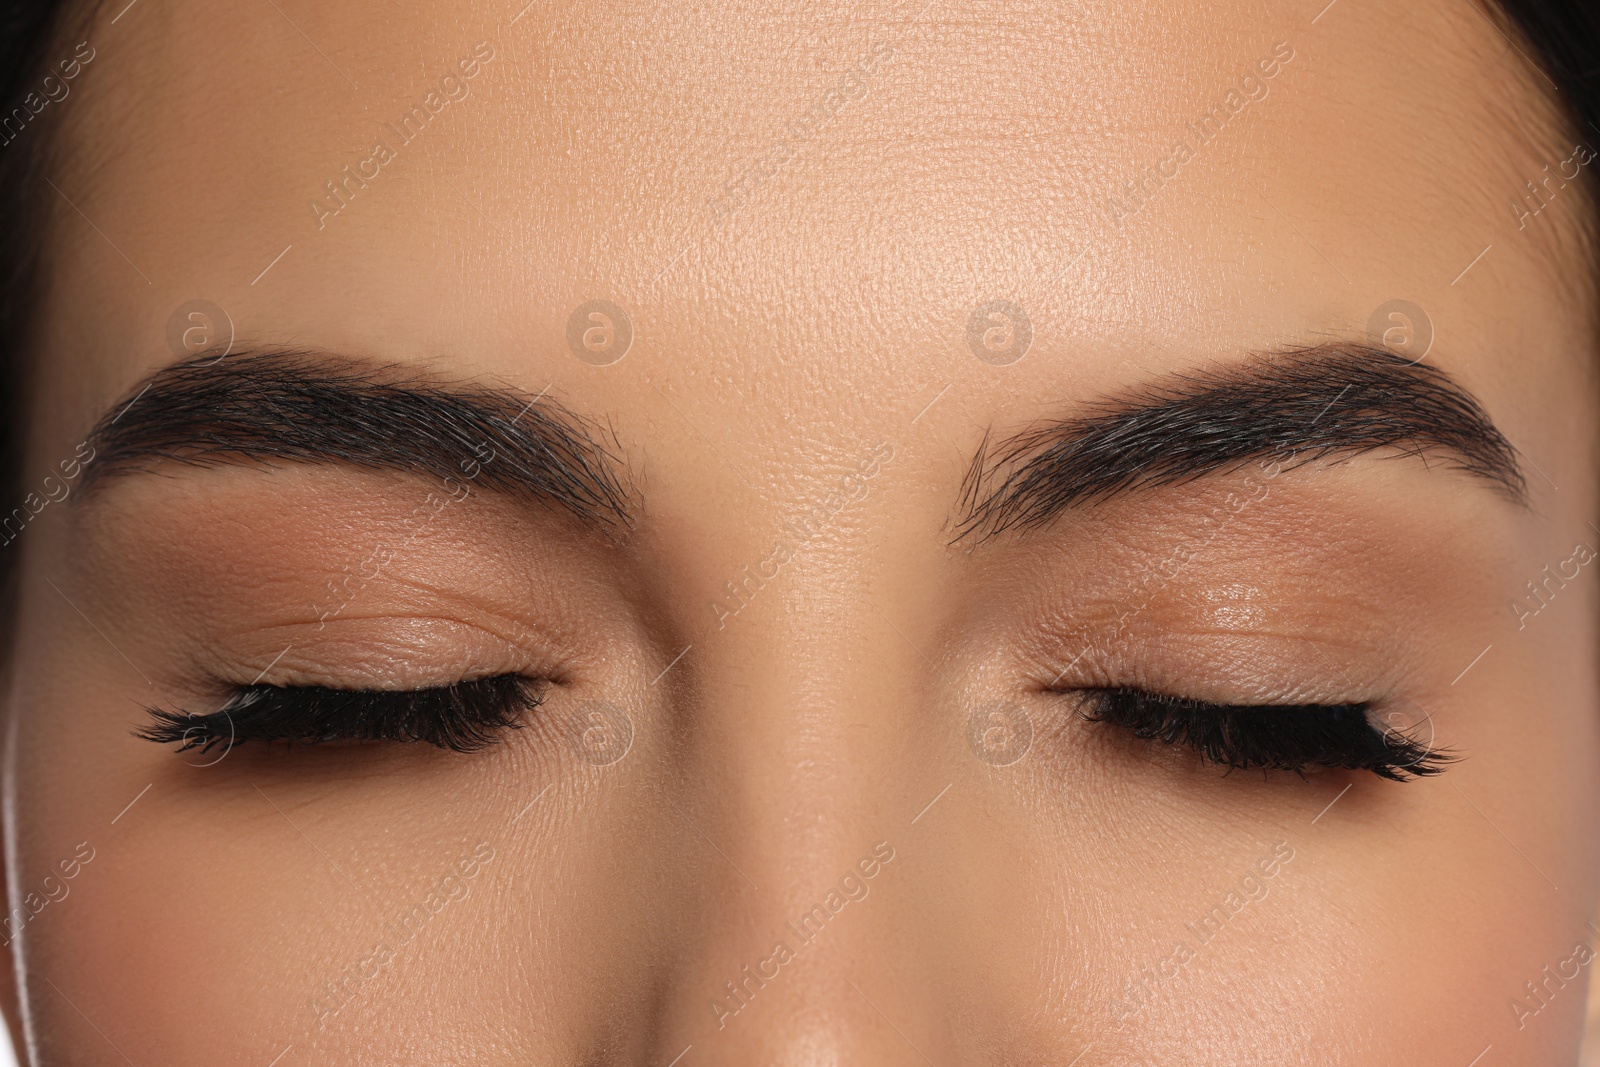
x,y
461,717
1285,737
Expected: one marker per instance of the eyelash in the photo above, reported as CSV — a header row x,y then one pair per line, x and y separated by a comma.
x,y
468,716
463,717
1287,737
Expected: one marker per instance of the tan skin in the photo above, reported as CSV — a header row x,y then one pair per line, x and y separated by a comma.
x,y
817,319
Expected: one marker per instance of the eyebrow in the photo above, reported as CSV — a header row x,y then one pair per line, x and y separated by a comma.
x,y
304,406
1297,405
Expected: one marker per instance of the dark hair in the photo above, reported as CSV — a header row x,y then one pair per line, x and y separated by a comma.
x,y
1562,37
27,28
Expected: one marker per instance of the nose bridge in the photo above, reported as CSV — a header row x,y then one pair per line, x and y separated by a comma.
x,y
797,754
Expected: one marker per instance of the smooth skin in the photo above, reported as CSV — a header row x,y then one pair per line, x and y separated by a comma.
x,y
784,332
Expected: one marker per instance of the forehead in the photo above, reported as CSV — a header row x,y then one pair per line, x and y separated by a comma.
x,y
809,201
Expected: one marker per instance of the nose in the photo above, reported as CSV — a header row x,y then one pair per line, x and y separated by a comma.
x,y
808,945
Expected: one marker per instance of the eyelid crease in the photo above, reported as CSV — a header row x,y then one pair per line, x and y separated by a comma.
x,y
392,649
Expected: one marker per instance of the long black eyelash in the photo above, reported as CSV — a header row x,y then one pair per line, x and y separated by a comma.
x,y
463,717
1287,737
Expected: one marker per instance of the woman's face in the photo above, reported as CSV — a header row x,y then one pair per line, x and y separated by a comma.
x,y
812,780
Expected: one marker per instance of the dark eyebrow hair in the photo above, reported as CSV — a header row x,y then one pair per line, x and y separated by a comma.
x,y
302,406
1295,405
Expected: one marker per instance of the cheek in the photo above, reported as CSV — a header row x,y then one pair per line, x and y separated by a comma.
x,y
177,905
1401,904
197,884
140,942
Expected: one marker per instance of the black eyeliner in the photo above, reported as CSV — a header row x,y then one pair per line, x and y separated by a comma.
x,y
1288,737
462,717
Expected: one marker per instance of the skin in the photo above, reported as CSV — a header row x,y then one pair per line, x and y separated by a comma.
x,y
774,348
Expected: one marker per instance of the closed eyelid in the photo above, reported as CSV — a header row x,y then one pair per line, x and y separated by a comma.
x,y
1292,737
463,716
